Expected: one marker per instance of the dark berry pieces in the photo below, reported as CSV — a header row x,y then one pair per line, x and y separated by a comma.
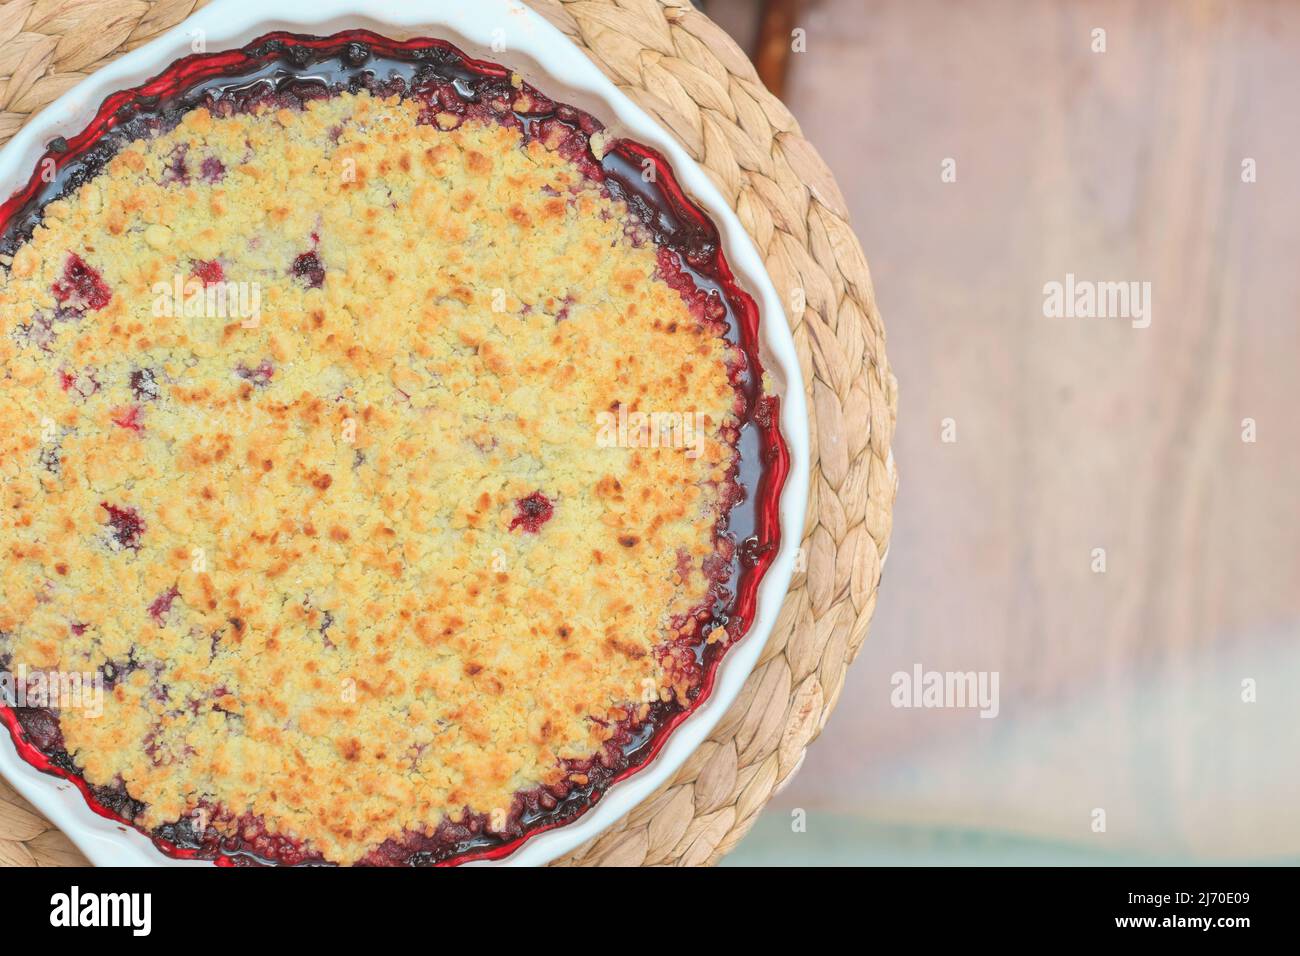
x,y
39,332
212,170
532,512
116,800
115,671
705,305
49,459
126,525
208,271
184,833
752,551
177,170
310,270
565,305
144,385
41,727
81,287
163,603
259,376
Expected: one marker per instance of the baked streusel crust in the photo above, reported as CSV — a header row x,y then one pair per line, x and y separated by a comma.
x,y
300,439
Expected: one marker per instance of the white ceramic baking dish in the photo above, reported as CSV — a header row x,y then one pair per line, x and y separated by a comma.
x,y
508,33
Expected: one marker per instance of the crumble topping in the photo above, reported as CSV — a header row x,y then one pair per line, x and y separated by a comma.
x,y
351,557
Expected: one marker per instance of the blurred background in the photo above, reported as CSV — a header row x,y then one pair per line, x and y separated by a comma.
x,y
1120,690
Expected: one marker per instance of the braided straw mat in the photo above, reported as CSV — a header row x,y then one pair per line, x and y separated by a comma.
x,y
684,70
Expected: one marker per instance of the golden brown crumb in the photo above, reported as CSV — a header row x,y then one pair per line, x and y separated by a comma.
x,y
362,640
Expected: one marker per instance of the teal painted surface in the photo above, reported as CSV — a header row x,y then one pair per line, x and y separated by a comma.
x,y
837,840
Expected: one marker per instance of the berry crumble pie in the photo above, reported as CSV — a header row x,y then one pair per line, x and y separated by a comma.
x,y
389,438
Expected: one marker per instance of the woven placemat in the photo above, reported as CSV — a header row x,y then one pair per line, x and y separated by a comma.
x,y
684,70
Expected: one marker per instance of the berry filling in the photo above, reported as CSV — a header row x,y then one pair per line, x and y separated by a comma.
x,y
82,384
81,288
144,385
212,170
260,375
162,604
208,272
128,418
310,270
177,170
126,526
532,512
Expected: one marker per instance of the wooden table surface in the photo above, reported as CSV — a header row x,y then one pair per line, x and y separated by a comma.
x,y
1119,690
